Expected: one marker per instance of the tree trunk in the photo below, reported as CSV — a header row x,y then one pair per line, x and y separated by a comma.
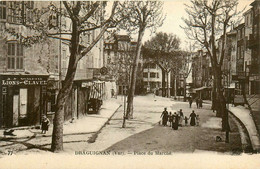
x,y
214,97
184,88
163,83
57,134
131,92
221,101
168,91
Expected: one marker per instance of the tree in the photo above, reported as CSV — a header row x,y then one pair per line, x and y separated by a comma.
x,y
164,47
144,15
208,20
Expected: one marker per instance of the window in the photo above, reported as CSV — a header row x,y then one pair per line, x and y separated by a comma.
x,y
14,56
152,75
53,20
145,75
88,37
15,12
2,10
64,59
93,35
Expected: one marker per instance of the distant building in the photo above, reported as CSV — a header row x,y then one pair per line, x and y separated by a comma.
x,y
119,52
201,75
152,77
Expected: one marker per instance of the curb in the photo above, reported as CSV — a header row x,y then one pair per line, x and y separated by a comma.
x,y
254,150
246,142
93,138
50,135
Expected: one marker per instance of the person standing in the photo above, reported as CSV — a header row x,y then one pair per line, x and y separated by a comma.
x,y
175,123
190,101
200,103
180,117
164,117
198,120
197,102
45,124
186,120
193,118
170,119
112,93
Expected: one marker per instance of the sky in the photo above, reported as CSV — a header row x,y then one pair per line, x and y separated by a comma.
x,y
175,10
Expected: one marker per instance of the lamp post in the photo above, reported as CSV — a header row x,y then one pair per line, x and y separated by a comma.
x,y
124,115
227,109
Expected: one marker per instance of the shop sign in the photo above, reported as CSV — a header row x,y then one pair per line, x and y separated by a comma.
x,y
86,84
23,81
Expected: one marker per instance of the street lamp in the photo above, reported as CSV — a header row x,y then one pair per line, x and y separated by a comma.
x,y
124,115
227,84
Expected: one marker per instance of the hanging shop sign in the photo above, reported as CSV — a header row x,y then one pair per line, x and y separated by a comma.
x,y
20,80
86,84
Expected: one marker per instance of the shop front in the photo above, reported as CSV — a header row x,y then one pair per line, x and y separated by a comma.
x,y
22,99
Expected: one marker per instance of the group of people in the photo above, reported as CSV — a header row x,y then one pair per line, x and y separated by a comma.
x,y
176,119
199,102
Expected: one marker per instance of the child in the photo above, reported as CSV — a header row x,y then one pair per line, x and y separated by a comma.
x,y
170,119
198,120
186,120
45,124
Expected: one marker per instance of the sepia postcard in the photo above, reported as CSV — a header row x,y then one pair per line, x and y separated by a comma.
x,y
130,84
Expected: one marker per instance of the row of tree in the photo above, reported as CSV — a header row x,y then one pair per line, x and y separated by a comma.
x,y
207,21
84,17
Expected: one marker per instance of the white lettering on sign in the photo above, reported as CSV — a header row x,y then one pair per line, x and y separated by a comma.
x,y
23,82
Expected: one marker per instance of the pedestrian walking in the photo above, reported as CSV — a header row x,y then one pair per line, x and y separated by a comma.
x,y
170,118
45,124
193,118
164,117
190,101
200,103
180,117
197,102
197,120
175,123
186,120
112,93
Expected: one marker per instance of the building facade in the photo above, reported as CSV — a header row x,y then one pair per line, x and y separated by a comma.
x,y
24,71
31,75
119,52
201,75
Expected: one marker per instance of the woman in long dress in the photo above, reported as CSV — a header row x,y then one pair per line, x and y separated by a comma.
x,y
193,118
181,116
164,117
175,123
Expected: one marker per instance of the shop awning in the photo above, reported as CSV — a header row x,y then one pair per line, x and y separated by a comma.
x,y
201,88
232,86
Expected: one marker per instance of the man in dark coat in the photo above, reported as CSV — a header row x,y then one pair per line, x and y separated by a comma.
x,y
200,103
190,101
164,117
197,102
